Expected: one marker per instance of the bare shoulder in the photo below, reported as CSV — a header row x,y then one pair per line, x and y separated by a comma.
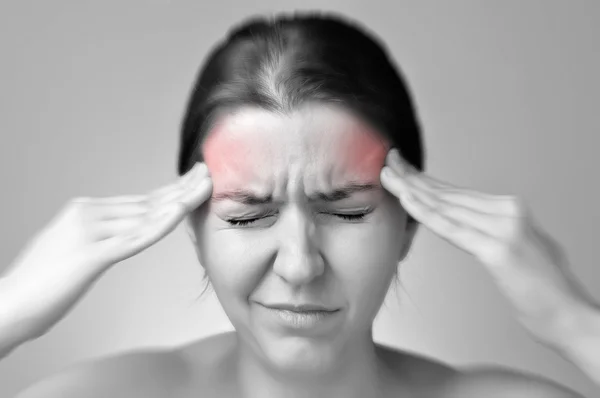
x,y
431,377
211,364
208,352
136,373
503,382
420,372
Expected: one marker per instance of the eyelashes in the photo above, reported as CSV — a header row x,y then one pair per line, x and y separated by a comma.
x,y
240,222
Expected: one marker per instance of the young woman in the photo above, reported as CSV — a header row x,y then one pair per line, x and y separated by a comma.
x,y
302,190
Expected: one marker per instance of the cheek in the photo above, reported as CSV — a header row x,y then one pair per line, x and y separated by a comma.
x,y
368,260
234,260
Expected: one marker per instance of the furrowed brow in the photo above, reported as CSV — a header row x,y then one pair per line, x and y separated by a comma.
x,y
243,197
342,193
251,199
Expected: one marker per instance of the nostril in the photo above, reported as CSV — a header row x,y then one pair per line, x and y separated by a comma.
x,y
299,268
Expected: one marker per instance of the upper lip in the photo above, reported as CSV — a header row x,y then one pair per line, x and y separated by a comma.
x,y
299,307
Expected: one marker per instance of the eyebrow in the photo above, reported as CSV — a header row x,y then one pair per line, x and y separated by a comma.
x,y
249,198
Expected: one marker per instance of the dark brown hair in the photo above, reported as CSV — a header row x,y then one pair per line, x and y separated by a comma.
x,y
280,62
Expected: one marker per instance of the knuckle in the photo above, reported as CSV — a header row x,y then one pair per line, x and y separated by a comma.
x,y
516,207
80,208
80,202
76,205
511,231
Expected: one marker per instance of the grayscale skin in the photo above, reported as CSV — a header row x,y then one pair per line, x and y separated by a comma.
x,y
291,249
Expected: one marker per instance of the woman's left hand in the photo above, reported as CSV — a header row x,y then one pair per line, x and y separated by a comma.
x,y
529,266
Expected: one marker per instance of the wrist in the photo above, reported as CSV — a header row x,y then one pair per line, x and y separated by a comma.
x,y
578,329
15,329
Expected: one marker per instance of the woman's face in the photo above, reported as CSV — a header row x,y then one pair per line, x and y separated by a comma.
x,y
298,217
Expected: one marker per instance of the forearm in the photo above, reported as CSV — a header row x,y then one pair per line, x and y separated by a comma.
x,y
12,335
576,337
582,345
561,315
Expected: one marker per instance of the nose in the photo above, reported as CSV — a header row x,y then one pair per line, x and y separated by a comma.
x,y
298,259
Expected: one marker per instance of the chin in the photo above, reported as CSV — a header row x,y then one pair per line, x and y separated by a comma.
x,y
300,354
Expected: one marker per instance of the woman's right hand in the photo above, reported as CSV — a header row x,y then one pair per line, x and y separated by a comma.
x,y
80,243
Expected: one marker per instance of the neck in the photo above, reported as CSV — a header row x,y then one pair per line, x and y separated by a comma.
x,y
359,372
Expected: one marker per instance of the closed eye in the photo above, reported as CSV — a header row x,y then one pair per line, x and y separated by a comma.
x,y
351,216
242,222
248,221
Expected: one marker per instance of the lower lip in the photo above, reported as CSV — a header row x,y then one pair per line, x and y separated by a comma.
x,y
303,319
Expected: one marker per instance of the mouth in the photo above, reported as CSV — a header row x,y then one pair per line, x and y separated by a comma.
x,y
313,319
301,308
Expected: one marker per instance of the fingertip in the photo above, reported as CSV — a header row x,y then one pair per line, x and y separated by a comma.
x,y
200,193
392,182
196,169
202,167
393,156
386,178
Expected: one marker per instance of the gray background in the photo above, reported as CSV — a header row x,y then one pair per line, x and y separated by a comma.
x,y
91,100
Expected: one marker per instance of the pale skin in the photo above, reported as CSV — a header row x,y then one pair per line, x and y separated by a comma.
x,y
528,265
305,254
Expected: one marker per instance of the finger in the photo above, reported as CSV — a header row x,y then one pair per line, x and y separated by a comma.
x,y
117,199
185,201
193,188
495,226
496,205
122,210
484,202
122,246
198,169
464,236
492,225
138,205
478,201
197,195
499,205
405,170
120,226
198,172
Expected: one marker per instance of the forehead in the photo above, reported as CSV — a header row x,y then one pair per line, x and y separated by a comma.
x,y
316,140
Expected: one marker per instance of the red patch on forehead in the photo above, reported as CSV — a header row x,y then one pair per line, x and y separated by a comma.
x,y
363,153
229,158
236,158
368,153
221,154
